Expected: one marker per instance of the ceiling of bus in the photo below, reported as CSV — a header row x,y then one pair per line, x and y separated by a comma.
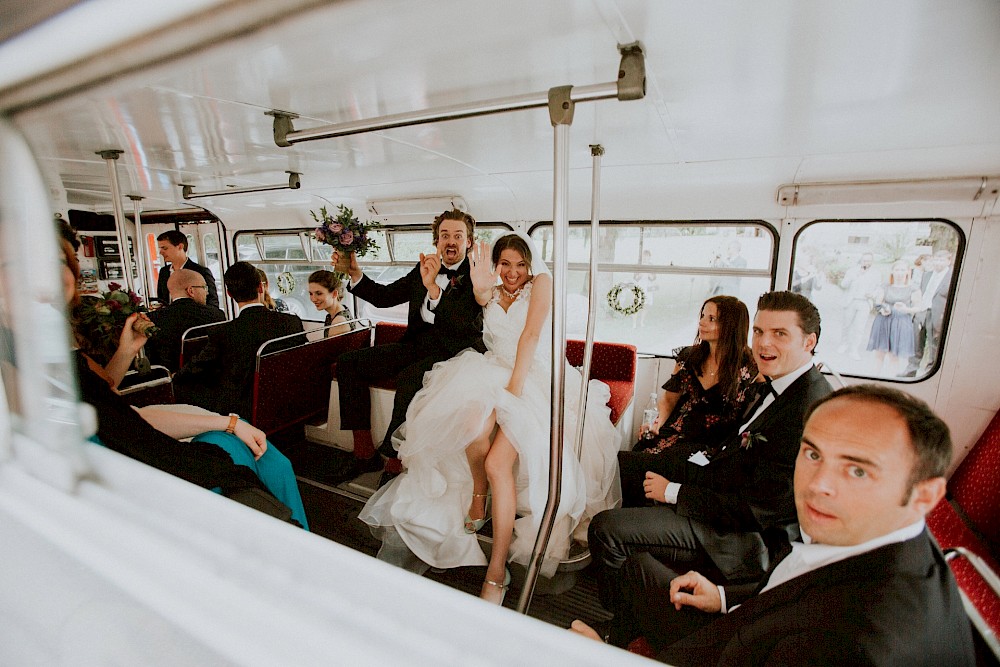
x,y
741,98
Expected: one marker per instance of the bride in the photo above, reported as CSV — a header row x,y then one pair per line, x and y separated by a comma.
x,y
479,429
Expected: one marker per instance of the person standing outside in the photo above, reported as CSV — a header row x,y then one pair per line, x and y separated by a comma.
x,y
862,283
173,247
444,319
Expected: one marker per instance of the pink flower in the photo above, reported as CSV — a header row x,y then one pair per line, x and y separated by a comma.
x,y
347,238
336,228
113,287
321,235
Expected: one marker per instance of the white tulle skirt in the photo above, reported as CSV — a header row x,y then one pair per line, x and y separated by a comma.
x,y
428,502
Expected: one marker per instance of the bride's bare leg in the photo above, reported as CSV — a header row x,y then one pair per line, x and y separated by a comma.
x,y
476,454
500,472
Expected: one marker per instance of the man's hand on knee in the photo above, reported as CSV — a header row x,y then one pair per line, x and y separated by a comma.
x,y
694,590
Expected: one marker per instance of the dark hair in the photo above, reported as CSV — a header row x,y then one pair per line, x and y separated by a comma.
x,y
174,237
67,234
927,432
329,280
242,281
454,214
733,351
515,243
807,313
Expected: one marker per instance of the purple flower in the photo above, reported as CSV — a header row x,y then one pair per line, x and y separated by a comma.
x,y
114,287
321,235
347,238
113,305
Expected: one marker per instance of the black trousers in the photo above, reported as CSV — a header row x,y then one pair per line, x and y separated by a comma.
x,y
357,370
618,534
646,610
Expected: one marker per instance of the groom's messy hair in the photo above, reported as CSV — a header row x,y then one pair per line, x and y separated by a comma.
x,y
454,214
512,242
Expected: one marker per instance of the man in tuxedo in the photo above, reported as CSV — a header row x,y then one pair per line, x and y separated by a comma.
x,y
712,508
173,247
935,285
220,377
444,319
188,291
866,585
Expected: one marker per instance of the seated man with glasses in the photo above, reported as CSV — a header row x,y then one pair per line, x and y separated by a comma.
x,y
188,293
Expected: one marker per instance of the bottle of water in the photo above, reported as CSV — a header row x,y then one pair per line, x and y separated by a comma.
x,y
649,417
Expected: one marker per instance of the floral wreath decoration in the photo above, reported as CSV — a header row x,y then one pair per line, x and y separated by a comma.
x,y
286,282
638,298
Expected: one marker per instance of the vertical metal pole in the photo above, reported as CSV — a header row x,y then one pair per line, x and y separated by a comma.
x,y
109,157
140,248
596,152
561,109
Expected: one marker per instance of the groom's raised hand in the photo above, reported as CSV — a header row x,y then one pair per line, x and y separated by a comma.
x,y
429,267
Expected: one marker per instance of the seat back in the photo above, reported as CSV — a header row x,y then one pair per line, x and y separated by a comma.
x,y
612,363
975,485
389,332
293,385
152,388
194,341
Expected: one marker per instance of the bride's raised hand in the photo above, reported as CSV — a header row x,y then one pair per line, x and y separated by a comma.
x,y
481,271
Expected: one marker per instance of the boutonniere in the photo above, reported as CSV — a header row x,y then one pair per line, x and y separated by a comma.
x,y
748,439
455,281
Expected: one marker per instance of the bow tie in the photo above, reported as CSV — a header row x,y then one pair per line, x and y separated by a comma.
x,y
451,273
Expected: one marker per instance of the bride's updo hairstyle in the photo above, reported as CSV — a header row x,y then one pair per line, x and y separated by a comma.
x,y
515,243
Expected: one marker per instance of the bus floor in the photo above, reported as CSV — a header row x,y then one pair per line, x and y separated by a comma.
x,y
335,517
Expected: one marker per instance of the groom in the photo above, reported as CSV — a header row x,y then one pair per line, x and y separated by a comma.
x,y
443,320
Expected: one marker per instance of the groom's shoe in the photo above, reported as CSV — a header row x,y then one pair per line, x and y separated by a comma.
x,y
348,467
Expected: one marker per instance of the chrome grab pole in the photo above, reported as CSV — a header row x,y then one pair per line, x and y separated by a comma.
x,y
561,109
110,156
630,85
596,152
140,251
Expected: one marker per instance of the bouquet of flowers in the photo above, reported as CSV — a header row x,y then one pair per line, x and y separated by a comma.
x,y
345,233
98,321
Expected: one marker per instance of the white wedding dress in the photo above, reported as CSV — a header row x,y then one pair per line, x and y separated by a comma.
x,y
428,502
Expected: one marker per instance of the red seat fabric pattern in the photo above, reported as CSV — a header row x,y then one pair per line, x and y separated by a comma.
x,y
975,486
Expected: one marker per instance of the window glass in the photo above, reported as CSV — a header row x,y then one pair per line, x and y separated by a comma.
x,y
883,289
669,268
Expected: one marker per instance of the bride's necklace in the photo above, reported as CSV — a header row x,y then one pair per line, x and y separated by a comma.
x,y
511,295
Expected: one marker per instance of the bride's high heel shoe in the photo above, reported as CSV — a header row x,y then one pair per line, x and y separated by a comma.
x,y
473,525
503,587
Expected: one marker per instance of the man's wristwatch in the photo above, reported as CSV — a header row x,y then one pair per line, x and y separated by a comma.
x,y
233,418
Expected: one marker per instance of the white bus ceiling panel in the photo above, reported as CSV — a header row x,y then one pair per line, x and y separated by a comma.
x,y
798,86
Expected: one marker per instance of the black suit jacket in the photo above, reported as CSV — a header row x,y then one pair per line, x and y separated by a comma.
x,y
163,294
220,377
896,605
458,318
173,320
744,490
939,301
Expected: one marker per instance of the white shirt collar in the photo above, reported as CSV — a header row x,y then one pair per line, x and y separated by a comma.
x,y
249,305
785,381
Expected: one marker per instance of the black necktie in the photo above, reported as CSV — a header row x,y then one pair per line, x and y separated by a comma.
x,y
451,273
761,389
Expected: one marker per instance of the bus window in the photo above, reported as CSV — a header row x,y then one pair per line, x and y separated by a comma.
x,y
213,258
668,269
883,289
